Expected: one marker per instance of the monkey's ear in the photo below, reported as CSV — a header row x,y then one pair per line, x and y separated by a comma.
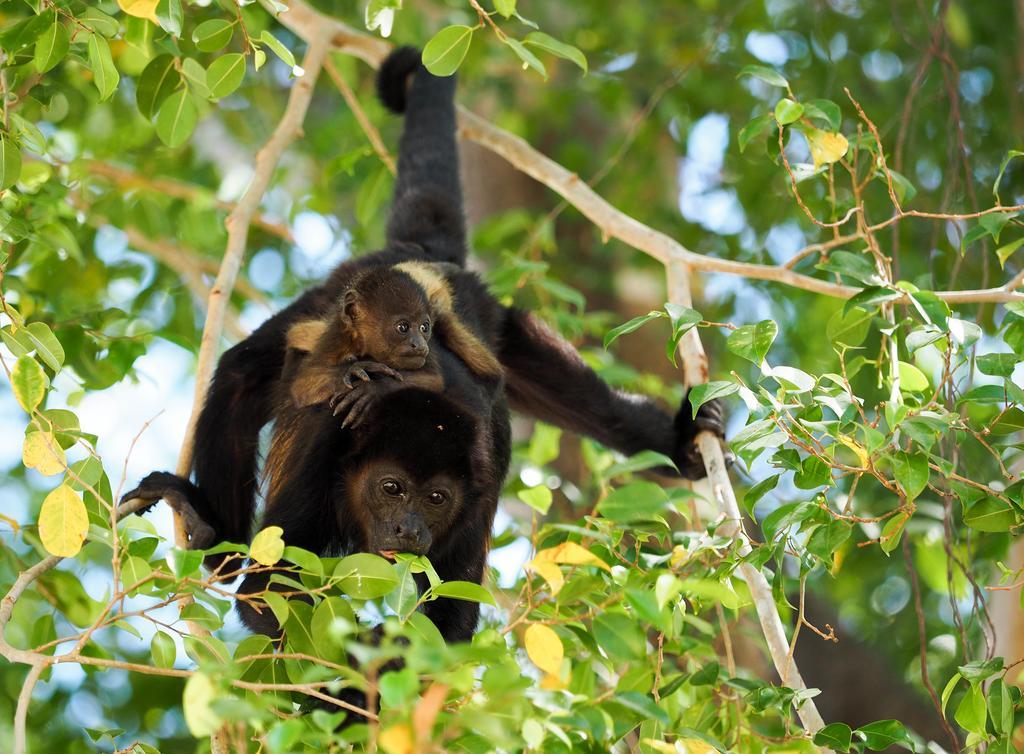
x,y
303,336
350,305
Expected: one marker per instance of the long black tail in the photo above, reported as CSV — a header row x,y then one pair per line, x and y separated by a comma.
x,y
427,207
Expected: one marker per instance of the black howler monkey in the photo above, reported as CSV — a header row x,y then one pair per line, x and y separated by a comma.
x,y
329,488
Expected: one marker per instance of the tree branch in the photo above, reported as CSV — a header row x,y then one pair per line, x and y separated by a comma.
x,y
695,372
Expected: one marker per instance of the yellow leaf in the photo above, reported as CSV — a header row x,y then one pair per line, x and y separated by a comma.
x,y
679,556
200,693
396,740
552,683
267,547
42,453
826,147
859,450
140,8
570,553
550,572
544,648
696,746
63,522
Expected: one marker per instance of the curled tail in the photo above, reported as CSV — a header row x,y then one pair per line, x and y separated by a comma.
x,y
393,77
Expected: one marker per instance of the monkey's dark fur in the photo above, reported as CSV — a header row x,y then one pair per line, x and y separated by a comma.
x,y
319,473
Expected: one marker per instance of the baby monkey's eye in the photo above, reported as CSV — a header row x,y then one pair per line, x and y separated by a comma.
x,y
438,498
425,328
391,487
402,327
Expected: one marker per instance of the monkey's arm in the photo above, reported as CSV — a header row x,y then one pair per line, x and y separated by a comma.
x,y
546,378
427,206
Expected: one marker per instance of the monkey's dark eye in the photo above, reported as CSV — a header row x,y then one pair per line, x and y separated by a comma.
x,y
437,498
402,327
425,328
391,487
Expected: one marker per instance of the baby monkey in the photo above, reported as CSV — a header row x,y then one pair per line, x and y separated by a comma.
x,y
383,325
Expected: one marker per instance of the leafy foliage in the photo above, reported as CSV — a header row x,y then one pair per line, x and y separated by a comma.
x,y
882,435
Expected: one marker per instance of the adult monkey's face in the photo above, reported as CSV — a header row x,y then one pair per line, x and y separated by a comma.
x,y
409,481
399,512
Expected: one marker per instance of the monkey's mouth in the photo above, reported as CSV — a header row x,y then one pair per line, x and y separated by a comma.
x,y
389,554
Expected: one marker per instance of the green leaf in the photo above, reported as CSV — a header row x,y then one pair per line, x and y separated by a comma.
x,y
278,48
184,563
760,126
28,381
892,532
464,590
443,54
948,691
828,538
998,364
176,119
156,83
170,16
225,74
701,394
304,559
10,162
529,59
759,490
552,45
752,342
849,327
1000,707
826,110
52,46
1005,252
505,7
634,502
164,652
683,320
621,637
912,379
538,498
856,266
365,576
990,514
213,35
972,711
995,222
768,75
96,20
981,670
104,73
813,473
46,345
634,324
836,736
787,111
1002,169
870,298
880,735
912,472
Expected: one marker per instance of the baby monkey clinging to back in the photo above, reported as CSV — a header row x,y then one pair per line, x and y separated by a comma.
x,y
383,324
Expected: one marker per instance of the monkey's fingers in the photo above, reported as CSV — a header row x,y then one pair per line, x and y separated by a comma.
x,y
384,369
361,374
342,403
357,411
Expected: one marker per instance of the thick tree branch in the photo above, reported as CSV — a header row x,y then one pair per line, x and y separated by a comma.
x,y
695,372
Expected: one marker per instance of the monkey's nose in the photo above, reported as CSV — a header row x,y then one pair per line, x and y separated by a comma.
x,y
413,535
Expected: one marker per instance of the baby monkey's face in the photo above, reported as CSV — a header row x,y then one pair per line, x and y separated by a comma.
x,y
405,336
